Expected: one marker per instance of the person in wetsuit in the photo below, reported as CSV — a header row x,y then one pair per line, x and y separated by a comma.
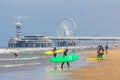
x,y
15,54
65,54
100,50
54,52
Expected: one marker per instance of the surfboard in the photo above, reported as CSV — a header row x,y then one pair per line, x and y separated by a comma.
x,y
69,58
24,56
57,51
101,57
94,58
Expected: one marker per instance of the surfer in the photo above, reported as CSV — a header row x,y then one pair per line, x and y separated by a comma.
x,y
65,54
15,54
54,52
100,50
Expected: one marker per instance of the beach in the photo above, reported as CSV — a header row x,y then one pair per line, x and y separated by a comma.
x,y
40,68
107,69
34,65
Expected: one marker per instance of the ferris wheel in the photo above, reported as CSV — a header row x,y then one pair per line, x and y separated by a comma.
x,y
66,27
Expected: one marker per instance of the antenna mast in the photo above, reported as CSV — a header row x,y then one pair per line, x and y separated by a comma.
x,y
18,26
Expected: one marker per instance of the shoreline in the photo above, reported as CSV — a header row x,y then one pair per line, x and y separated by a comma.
x,y
107,69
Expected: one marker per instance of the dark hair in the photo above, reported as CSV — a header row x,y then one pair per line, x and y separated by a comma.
x,y
54,49
66,50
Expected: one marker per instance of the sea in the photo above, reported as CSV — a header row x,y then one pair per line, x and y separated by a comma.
x,y
35,65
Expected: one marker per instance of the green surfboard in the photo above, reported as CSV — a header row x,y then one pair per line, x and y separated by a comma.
x,y
24,57
102,56
68,58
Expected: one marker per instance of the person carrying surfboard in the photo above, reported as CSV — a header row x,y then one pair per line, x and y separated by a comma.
x,y
54,52
65,54
100,50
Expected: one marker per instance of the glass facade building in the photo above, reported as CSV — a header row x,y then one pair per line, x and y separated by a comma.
x,y
30,41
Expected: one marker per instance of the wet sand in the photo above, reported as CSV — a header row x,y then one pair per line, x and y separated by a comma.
x,y
107,69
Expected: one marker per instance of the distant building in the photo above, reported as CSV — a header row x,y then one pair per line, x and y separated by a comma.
x,y
36,40
30,41
58,41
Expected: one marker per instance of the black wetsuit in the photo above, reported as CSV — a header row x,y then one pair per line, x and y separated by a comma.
x,y
100,53
54,50
55,54
15,55
64,54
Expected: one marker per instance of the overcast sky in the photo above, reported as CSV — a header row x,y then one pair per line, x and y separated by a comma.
x,y
92,17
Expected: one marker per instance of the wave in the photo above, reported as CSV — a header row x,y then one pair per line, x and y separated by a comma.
x,y
17,50
23,58
9,50
18,65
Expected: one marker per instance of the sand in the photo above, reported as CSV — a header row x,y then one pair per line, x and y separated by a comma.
x,y
107,69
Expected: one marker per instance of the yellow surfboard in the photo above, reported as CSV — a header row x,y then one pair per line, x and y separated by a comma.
x,y
94,58
57,51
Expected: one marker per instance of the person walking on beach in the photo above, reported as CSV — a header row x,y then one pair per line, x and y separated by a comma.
x,y
106,48
65,54
54,52
100,50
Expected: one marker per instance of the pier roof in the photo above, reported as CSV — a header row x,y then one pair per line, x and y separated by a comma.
x,y
84,38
